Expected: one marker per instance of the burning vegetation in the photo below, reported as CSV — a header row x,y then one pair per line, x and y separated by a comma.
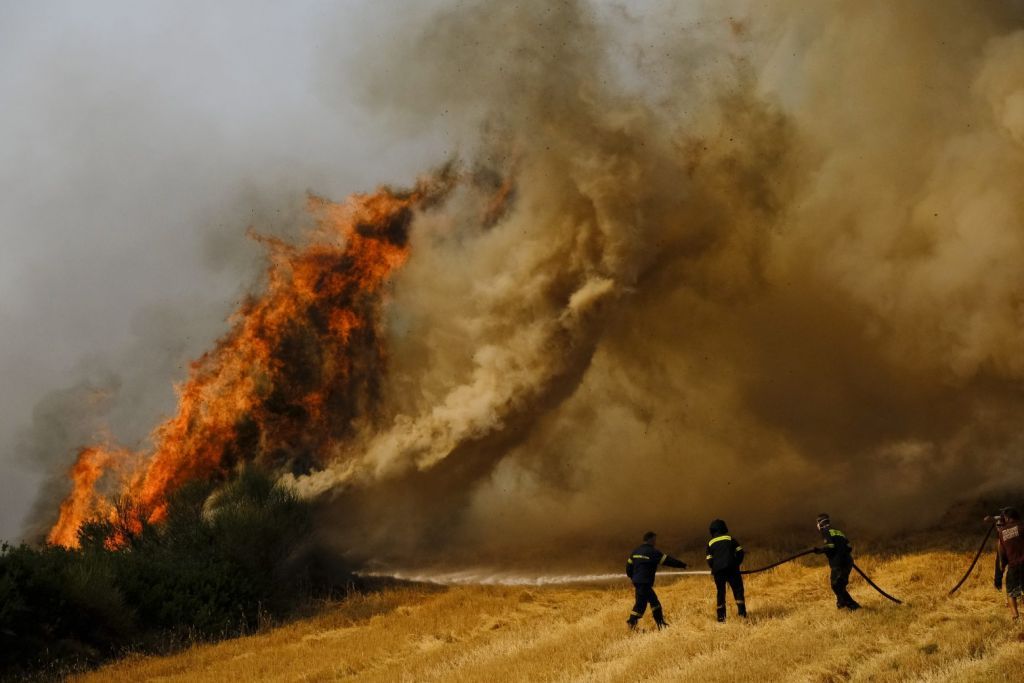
x,y
284,389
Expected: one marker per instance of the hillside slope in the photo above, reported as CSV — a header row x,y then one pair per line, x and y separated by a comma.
x,y
499,633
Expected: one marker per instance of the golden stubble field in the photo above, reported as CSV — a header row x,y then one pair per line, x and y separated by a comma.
x,y
496,633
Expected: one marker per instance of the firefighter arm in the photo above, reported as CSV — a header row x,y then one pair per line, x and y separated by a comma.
x,y
629,567
739,553
670,561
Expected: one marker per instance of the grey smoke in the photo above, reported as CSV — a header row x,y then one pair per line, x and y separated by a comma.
x,y
137,144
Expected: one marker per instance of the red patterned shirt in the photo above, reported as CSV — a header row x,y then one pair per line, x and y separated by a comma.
x,y
1011,544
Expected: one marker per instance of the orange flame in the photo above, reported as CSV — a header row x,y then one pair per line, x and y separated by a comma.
x,y
82,503
300,364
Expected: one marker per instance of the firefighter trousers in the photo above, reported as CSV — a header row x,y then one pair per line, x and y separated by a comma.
x,y
734,579
645,595
839,579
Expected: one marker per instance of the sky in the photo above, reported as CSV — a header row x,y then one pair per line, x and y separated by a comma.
x,y
138,141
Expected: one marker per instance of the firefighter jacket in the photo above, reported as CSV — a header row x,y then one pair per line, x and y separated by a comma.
x,y
644,561
724,554
837,548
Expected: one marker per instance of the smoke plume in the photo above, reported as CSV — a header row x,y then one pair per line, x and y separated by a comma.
x,y
745,261
769,264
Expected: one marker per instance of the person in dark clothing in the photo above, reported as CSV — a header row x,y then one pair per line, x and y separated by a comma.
x,y
1010,557
641,566
840,558
725,555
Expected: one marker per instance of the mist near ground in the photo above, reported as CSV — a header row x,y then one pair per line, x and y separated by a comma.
x,y
757,261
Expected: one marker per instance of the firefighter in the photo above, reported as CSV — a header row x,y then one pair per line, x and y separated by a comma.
x,y
840,558
725,555
641,566
1010,557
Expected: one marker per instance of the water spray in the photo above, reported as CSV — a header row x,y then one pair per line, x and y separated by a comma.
x,y
483,578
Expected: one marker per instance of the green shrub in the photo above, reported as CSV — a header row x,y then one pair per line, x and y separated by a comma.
x,y
221,561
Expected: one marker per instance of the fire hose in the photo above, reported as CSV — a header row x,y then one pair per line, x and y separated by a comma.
x,y
808,552
981,549
875,586
776,564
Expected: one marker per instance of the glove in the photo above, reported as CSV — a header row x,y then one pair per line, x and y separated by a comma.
x,y
684,566
819,551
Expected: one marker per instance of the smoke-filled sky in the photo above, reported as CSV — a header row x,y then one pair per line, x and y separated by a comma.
x,y
137,143
759,260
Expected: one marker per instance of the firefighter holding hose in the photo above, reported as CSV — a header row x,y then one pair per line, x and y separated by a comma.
x,y
1010,557
840,559
641,566
725,555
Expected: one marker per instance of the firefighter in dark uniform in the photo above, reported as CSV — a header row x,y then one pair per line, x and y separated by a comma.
x,y
725,555
840,558
1010,557
641,566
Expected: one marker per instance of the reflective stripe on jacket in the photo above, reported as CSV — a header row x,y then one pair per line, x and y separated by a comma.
x,y
837,548
724,553
642,564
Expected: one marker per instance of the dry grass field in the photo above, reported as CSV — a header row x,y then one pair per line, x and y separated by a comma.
x,y
501,633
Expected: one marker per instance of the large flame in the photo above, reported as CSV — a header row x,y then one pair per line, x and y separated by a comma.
x,y
300,364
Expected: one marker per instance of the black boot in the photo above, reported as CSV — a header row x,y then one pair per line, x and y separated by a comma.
x,y
741,608
720,613
632,622
846,601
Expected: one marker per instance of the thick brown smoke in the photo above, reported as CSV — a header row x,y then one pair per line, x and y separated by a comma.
x,y
759,261
740,260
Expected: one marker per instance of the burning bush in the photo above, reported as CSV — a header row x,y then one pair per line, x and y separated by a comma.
x,y
285,386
